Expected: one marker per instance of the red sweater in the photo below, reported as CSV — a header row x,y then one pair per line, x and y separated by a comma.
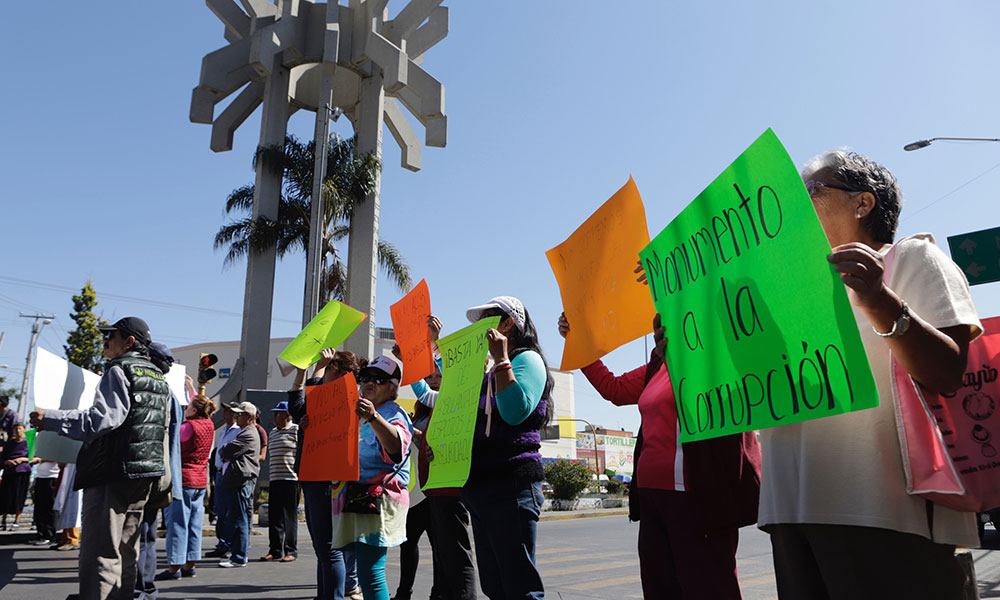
x,y
194,453
722,473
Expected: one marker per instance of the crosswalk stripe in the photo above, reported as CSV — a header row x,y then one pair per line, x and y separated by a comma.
x,y
757,580
576,557
602,583
592,567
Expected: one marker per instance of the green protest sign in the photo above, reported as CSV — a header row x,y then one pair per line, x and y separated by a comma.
x,y
30,435
450,432
328,329
760,331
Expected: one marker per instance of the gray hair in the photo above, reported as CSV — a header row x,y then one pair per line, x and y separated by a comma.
x,y
862,174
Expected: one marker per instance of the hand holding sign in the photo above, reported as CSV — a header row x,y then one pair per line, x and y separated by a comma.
x,y
409,324
594,269
328,329
449,435
757,338
330,444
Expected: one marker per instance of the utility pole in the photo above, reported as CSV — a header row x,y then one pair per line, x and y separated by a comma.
x,y
36,328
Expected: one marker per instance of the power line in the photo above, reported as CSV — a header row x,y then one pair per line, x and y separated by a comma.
x,y
159,303
923,208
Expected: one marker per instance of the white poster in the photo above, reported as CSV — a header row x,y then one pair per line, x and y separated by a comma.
x,y
175,379
60,385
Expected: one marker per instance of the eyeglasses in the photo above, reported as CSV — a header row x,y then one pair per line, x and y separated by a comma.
x,y
376,379
814,184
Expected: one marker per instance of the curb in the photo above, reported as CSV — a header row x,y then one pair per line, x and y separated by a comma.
x,y
582,514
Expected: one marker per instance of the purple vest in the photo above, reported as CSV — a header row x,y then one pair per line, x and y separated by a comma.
x,y
510,449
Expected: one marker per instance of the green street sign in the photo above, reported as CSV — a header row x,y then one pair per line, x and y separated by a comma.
x,y
977,254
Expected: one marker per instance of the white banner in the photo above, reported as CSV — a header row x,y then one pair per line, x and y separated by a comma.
x,y
60,385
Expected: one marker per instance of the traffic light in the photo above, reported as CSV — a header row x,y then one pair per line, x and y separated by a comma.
x,y
205,371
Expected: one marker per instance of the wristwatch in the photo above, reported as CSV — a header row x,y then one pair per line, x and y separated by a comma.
x,y
899,327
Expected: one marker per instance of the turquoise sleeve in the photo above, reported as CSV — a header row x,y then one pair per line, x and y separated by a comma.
x,y
521,398
419,388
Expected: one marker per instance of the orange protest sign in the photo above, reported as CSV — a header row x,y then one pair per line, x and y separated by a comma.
x,y
409,325
330,442
604,304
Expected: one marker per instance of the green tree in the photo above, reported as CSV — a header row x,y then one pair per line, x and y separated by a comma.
x,y
5,390
85,344
349,180
568,478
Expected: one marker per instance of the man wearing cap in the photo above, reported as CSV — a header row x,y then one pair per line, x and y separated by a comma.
x,y
122,457
283,490
240,468
226,434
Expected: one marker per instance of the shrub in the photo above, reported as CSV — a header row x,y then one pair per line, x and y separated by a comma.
x,y
615,487
568,478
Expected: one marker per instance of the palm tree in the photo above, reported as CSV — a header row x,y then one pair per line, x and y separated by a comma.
x,y
349,180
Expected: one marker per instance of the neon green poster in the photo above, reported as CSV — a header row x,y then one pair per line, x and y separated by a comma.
x,y
760,331
453,424
328,329
30,435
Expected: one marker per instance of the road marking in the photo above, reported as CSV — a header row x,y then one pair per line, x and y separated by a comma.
x,y
575,557
554,550
757,580
602,583
591,567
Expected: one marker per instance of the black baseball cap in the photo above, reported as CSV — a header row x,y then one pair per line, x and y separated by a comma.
x,y
130,326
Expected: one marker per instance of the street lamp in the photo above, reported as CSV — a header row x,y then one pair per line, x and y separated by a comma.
x,y
917,145
593,431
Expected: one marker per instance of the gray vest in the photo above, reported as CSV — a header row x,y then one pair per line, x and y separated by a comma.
x,y
136,448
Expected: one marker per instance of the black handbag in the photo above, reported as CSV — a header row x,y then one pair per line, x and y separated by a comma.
x,y
366,498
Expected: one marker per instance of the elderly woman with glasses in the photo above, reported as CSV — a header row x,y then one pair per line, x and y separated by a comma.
x,y
833,495
383,451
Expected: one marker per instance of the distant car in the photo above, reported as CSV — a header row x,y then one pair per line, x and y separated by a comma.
x,y
546,489
985,517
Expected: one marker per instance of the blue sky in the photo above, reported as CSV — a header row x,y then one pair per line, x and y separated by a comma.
x,y
551,106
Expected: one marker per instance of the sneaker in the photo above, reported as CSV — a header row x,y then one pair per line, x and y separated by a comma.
x,y
40,542
192,572
354,594
67,547
167,575
228,564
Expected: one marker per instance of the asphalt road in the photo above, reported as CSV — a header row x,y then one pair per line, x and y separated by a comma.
x,y
579,558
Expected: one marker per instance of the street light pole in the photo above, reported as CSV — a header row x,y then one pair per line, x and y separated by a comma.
x,y
593,432
36,328
917,145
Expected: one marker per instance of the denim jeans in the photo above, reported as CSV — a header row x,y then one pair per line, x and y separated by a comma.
x,y
236,502
184,517
504,515
336,570
220,516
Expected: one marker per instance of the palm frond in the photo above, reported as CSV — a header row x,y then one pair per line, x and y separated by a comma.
x,y
394,266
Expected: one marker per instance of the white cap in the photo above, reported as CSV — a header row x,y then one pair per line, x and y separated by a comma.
x,y
245,407
386,365
510,305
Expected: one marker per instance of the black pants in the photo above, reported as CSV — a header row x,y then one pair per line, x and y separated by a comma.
x,y
44,497
845,562
454,569
145,586
282,518
417,522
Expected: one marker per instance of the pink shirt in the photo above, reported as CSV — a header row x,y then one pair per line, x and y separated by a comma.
x,y
661,463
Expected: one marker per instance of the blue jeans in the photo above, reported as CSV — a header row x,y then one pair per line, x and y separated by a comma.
x,y
220,521
371,570
336,570
184,516
236,503
504,515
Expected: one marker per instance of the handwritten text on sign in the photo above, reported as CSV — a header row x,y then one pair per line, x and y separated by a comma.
x,y
330,445
409,325
760,331
453,424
